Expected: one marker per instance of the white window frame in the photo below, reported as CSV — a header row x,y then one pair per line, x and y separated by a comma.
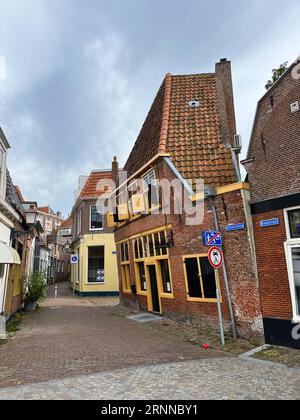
x,y
146,176
2,171
78,221
288,246
90,221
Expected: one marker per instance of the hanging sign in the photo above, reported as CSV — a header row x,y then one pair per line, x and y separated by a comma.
x,y
215,257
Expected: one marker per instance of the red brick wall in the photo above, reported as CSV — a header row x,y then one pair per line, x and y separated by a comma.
x,y
187,241
275,171
272,267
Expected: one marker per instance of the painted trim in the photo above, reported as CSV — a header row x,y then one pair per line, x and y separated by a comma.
x,y
273,204
233,187
289,260
141,170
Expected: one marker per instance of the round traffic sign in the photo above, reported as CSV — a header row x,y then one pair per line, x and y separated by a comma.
x,y
215,257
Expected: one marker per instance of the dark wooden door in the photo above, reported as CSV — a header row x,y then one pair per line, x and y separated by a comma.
x,y
154,288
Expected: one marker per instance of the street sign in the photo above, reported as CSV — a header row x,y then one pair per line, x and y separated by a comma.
x,y
232,227
270,222
215,257
74,259
212,238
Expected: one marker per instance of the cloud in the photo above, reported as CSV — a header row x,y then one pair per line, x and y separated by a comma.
x,y
80,79
3,73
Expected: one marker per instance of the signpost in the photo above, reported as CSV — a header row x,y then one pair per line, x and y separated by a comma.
x,y
216,260
215,257
74,259
212,238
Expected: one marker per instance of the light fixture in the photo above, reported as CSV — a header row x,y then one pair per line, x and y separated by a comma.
x,y
31,217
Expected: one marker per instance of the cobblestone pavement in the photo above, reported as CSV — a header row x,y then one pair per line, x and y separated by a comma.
x,y
70,336
217,379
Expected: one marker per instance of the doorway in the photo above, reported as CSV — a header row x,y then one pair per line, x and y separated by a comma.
x,y
154,289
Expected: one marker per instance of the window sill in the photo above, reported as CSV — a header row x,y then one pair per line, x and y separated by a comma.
x,y
95,284
127,292
96,230
142,293
167,295
200,300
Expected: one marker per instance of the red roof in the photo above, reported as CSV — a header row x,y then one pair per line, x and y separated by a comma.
x,y
194,137
67,223
44,209
97,184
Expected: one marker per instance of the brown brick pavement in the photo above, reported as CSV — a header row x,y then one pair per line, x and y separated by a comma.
x,y
70,336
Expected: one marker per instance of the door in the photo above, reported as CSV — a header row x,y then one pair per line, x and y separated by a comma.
x,y
154,288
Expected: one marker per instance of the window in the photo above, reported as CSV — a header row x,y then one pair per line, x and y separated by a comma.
x,y
141,274
200,278
125,252
78,222
126,283
150,188
2,170
96,264
165,276
294,223
63,267
96,218
296,272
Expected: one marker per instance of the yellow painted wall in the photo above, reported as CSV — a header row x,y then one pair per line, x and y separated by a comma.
x,y
111,283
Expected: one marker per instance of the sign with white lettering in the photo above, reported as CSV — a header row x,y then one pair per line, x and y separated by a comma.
x,y
270,222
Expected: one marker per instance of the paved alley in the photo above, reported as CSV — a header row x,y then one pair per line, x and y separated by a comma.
x,y
87,349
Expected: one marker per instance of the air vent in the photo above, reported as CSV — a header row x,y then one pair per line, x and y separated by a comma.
x,y
194,104
295,107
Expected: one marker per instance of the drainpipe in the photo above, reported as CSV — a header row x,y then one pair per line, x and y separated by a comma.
x,y
229,300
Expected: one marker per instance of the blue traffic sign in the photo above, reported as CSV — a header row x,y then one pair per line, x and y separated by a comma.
x,y
232,227
212,238
270,222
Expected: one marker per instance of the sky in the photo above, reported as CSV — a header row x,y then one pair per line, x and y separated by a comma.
x,y
77,77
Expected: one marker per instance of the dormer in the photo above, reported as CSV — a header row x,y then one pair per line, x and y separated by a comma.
x,y
4,147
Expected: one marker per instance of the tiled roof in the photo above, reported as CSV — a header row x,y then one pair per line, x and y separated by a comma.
x,y
44,209
67,223
94,186
192,136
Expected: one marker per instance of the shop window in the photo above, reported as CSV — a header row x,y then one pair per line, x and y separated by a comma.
x,y
96,264
200,277
165,276
296,272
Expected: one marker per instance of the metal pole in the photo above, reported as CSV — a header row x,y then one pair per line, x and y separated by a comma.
x,y
220,311
230,307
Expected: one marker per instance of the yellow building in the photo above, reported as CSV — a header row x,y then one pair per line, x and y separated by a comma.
x,y
94,270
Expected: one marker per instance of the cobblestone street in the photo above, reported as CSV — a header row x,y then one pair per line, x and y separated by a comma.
x,y
76,348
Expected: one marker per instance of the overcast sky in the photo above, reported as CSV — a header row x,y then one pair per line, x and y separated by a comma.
x,y
77,77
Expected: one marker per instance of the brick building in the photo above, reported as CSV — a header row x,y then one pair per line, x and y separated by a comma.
x,y
273,166
189,134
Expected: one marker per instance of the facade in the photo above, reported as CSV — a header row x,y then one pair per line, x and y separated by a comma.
x,y
46,250
93,243
16,240
62,238
189,135
274,174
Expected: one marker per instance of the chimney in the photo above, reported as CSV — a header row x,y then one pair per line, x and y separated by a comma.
x,y
225,91
58,214
115,171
